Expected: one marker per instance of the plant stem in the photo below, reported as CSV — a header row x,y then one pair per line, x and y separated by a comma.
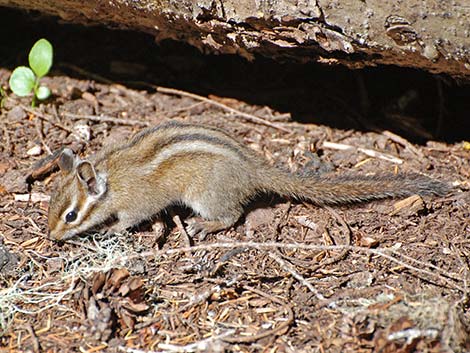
x,y
35,89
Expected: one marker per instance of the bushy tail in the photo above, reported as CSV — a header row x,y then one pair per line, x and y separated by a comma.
x,y
350,188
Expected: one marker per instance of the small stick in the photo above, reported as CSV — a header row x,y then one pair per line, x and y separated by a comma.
x,y
366,151
186,237
249,117
32,197
224,259
44,116
173,91
288,268
107,119
41,138
402,141
44,166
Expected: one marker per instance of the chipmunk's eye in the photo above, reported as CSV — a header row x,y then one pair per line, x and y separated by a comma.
x,y
71,216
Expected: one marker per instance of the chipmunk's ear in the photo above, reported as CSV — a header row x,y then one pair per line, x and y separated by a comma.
x,y
67,161
94,184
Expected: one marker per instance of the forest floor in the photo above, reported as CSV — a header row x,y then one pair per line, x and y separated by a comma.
x,y
385,276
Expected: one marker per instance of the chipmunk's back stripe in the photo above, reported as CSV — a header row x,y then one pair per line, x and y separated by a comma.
x,y
174,124
191,146
160,143
198,138
181,128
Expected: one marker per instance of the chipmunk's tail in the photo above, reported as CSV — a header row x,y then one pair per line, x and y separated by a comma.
x,y
351,188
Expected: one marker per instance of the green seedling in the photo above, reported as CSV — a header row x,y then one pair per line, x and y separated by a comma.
x,y
25,80
2,97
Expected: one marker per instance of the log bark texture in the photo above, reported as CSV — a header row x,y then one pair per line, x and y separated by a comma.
x,y
433,35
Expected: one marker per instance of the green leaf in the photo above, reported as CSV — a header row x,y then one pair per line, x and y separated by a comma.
x,y
22,81
43,92
40,57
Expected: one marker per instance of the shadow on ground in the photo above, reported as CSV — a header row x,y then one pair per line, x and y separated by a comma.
x,y
414,104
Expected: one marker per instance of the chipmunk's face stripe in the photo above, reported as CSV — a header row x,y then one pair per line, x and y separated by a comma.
x,y
72,197
60,201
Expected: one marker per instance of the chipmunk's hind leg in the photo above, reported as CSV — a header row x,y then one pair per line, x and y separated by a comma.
x,y
219,213
213,222
221,202
203,228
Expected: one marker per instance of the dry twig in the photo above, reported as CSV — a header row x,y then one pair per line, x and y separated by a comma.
x,y
46,117
107,119
288,268
366,151
402,141
249,117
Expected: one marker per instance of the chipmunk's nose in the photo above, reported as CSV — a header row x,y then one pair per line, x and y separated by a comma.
x,y
53,235
50,235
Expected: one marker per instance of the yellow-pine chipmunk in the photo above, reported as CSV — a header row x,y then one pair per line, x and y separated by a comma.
x,y
198,166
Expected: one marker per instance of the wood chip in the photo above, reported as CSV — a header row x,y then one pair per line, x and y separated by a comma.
x,y
33,197
409,206
34,151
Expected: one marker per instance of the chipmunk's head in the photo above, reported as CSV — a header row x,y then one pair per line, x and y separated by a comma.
x,y
75,196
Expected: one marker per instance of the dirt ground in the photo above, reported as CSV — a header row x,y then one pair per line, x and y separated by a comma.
x,y
386,276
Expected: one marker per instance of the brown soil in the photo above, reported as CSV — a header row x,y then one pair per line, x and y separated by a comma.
x,y
395,282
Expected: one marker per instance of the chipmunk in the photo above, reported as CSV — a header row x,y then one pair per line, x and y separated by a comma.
x,y
201,167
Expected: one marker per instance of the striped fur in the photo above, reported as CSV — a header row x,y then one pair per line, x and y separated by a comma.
x,y
201,167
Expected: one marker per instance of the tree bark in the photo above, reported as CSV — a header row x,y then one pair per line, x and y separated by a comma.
x,y
432,35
